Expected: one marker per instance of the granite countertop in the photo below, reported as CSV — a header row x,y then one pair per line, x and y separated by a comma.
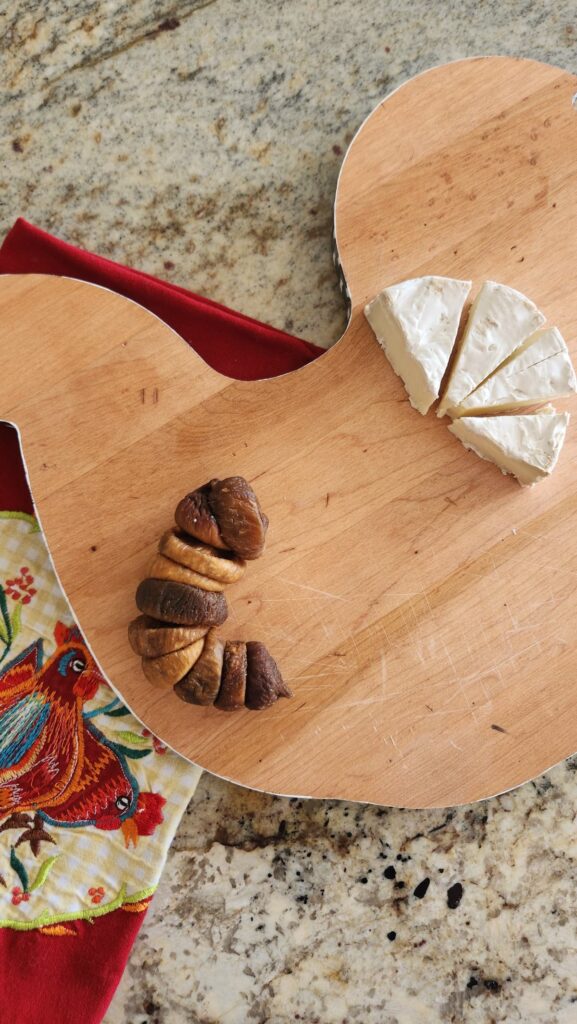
x,y
201,141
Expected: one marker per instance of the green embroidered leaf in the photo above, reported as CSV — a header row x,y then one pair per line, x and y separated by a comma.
x,y
131,737
118,713
42,873
129,752
16,620
17,866
5,624
4,652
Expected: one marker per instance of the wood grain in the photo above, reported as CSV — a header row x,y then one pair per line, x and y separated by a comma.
x,y
421,606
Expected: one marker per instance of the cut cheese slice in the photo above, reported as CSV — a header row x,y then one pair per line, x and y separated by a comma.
x,y
527,446
501,319
416,322
538,372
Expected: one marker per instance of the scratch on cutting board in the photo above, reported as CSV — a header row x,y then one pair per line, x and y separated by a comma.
x,y
354,643
449,658
310,675
383,672
448,711
314,590
531,626
325,630
362,703
544,567
402,755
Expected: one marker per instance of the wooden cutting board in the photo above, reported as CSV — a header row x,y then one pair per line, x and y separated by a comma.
x,y
421,605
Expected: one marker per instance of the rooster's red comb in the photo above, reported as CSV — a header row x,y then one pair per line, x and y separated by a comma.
x,y
64,634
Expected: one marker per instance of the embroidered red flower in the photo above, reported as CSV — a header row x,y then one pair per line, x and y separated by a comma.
x,y
96,894
18,896
148,814
159,746
20,588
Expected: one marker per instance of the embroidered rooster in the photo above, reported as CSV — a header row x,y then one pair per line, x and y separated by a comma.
x,y
53,760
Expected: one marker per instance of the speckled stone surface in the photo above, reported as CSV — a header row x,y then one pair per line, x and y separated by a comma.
x,y
201,141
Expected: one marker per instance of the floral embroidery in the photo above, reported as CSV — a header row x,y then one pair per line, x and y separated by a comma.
x,y
135,904
22,893
20,588
21,591
97,894
18,896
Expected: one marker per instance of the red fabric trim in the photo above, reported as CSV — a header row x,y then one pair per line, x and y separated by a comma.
x,y
230,342
14,492
49,979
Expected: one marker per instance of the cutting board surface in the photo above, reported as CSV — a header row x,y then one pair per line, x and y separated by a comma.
x,y
421,605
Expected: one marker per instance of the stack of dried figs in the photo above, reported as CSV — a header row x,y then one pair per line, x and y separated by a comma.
x,y
218,527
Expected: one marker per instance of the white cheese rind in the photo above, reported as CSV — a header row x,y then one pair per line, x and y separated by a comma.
x,y
501,319
540,372
527,446
416,323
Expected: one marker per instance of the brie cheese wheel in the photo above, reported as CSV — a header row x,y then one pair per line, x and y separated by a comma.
x,y
501,319
416,323
538,372
527,445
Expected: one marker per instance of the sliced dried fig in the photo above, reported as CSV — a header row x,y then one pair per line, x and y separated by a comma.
x,y
233,679
264,683
180,604
163,568
150,638
217,565
201,684
241,522
168,669
195,516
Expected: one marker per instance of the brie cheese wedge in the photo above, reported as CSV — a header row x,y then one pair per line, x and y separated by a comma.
x,y
416,323
538,372
527,445
501,319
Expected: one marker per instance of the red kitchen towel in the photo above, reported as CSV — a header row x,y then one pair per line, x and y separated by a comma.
x,y
230,342
68,972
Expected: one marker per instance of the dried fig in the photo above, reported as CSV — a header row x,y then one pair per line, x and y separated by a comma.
x,y
241,522
168,669
223,566
180,604
195,516
201,684
225,514
264,683
163,568
150,639
233,679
